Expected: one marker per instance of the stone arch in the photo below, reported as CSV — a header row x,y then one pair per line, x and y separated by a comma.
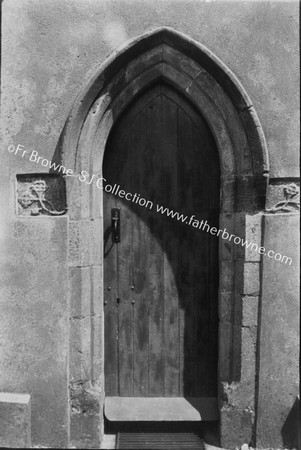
x,y
190,68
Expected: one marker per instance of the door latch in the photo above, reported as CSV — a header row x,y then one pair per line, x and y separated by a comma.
x,y
115,224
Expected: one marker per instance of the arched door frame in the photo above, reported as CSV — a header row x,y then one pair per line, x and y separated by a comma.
x,y
190,68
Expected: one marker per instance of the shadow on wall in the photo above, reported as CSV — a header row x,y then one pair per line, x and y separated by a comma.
x,y
291,427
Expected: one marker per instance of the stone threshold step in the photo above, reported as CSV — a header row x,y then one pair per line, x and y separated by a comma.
x,y
158,409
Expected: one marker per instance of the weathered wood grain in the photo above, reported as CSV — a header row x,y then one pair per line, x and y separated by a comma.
x,y
163,331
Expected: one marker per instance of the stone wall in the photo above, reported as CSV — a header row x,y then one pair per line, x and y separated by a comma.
x,y
48,50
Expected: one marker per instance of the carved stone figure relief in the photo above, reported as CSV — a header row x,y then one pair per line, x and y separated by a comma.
x,y
290,201
40,195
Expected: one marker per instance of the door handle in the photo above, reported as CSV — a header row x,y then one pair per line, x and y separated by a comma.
x,y
115,224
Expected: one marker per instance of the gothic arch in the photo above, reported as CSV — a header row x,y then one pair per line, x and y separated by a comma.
x,y
189,67
192,69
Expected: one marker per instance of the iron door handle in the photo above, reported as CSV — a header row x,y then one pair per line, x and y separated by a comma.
x,y
115,224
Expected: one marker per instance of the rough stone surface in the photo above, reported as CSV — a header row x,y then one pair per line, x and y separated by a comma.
x,y
251,42
97,353
80,348
247,280
279,332
80,243
253,234
86,415
85,359
236,427
225,350
80,284
227,276
34,323
227,248
78,199
44,65
226,306
15,420
249,311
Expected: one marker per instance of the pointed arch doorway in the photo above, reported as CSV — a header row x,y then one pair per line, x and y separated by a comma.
x,y
207,87
161,276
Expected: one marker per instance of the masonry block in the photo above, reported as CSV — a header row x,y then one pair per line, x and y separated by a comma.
x,y
97,324
186,64
97,200
15,420
278,377
97,277
236,427
96,242
239,390
248,363
78,198
151,57
253,234
80,243
226,306
227,276
230,308
80,286
80,348
236,352
247,278
227,221
250,193
85,430
248,227
86,416
249,311
225,352
228,194
239,230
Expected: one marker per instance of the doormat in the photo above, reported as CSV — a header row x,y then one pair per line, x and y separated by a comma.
x,y
179,441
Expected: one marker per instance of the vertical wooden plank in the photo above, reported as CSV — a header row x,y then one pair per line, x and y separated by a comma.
x,y
187,251
155,155
207,315
139,262
170,240
201,284
124,249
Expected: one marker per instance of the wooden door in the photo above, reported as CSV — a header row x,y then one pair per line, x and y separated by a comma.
x,y
161,279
